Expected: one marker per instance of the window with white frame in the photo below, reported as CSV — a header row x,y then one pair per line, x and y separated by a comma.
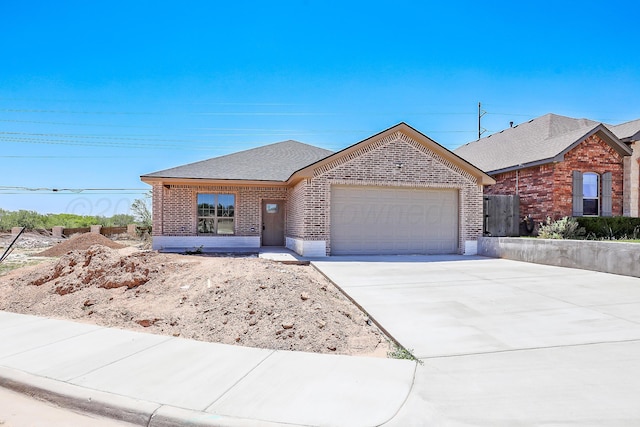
x,y
216,213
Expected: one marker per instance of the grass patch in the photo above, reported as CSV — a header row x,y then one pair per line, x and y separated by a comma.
x,y
402,353
6,267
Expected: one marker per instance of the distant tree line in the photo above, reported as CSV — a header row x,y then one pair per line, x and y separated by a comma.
x,y
33,220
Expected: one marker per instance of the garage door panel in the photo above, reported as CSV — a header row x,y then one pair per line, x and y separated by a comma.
x,y
383,220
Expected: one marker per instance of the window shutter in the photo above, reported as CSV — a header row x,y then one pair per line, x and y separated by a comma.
x,y
577,193
606,194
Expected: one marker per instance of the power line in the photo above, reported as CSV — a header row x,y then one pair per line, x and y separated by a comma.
x,y
131,138
102,101
97,144
71,194
76,124
81,157
18,110
119,138
108,141
242,113
235,113
73,190
265,131
254,131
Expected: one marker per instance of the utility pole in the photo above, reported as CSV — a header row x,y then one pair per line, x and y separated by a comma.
x,y
481,113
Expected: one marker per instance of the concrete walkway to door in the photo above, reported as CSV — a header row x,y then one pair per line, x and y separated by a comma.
x,y
505,342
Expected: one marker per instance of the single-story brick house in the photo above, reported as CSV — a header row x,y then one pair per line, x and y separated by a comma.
x,y
397,192
560,166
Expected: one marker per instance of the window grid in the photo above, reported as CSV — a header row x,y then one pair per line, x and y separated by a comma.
x,y
216,213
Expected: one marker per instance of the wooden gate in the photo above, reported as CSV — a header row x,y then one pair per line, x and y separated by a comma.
x,y
501,216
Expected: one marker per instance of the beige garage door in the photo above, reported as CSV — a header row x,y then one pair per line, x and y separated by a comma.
x,y
384,220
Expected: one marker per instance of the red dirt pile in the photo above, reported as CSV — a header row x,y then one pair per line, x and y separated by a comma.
x,y
80,242
98,267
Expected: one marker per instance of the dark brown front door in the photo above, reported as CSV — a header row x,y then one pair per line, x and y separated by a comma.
x,y
273,223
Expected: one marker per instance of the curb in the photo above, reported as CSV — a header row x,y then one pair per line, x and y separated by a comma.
x,y
116,407
170,416
75,397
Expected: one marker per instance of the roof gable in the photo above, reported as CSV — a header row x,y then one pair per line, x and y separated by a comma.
x,y
541,140
404,128
273,162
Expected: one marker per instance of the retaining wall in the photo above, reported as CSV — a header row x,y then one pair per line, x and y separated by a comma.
x,y
605,256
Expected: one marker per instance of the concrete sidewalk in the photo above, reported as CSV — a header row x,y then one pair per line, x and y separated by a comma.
x,y
155,380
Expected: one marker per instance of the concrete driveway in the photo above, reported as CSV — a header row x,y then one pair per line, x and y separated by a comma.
x,y
505,342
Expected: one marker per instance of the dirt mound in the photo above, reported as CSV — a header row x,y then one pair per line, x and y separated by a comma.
x,y
244,301
99,267
80,242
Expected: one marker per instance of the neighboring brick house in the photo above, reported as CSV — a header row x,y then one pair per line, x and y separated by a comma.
x,y
397,192
558,166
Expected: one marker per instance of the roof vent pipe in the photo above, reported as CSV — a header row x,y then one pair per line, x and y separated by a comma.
x,y
510,124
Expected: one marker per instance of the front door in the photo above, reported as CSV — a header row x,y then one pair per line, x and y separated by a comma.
x,y
273,223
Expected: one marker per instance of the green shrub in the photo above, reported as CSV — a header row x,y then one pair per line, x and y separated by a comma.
x,y
610,228
564,228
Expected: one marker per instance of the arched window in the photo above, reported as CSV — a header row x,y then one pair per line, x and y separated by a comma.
x,y
590,194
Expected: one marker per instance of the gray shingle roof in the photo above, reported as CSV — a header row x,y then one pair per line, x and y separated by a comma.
x,y
536,141
274,162
629,131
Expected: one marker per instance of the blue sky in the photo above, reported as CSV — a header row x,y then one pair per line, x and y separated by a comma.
x,y
95,94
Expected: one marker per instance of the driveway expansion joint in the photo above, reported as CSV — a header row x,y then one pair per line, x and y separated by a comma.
x,y
271,353
409,391
517,350
119,359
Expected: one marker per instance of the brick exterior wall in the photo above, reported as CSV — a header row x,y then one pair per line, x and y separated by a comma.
x,y
296,201
375,164
535,188
592,155
175,211
157,209
546,190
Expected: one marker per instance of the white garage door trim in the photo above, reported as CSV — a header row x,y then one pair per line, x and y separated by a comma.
x,y
393,220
